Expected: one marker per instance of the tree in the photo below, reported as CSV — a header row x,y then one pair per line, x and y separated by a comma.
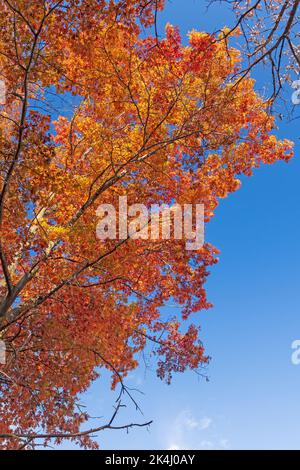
x,y
144,118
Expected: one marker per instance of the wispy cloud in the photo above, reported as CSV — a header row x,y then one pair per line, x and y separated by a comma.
x,y
185,430
204,423
188,432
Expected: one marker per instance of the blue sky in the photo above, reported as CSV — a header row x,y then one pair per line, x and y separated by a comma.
x,y
251,400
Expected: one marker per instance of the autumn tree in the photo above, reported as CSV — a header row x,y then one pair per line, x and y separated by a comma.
x,y
95,110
